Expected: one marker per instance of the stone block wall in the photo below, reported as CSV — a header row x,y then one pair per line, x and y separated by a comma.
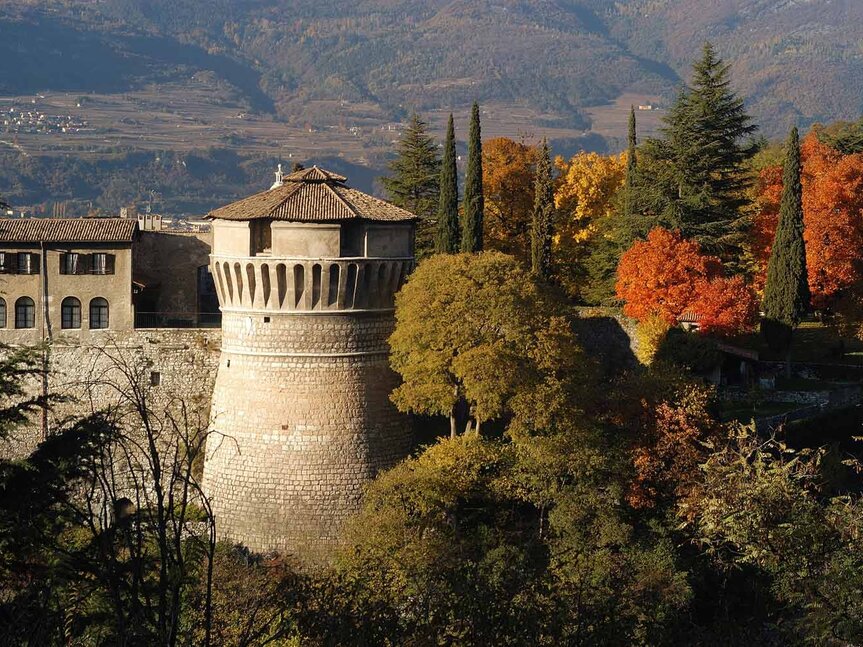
x,y
181,364
303,419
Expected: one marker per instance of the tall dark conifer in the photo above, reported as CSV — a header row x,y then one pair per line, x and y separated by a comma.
x,y
631,165
448,238
698,179
474,202
786,292
542,223
413,180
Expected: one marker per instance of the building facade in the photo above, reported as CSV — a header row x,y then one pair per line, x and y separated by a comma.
x,y
69,277
306,275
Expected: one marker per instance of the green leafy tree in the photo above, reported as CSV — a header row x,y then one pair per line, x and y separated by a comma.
x,y
480,342
786,292
474,202
448,226
764,509
696,177
542,222
413,183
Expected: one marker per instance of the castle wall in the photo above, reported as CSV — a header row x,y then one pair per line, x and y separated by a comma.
x,y
304,422
184,363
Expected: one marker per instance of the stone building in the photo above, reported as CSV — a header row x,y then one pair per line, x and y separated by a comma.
x,y
306,274
80,278
70,277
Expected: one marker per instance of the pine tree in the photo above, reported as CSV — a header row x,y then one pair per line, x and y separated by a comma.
x,y
786,292
413,181
542,223
697,178
631,165
448,227
474,203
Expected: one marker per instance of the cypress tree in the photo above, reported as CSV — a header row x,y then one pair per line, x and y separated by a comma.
x,y
542,223
413,180
474,202
448,236
786,292
631,165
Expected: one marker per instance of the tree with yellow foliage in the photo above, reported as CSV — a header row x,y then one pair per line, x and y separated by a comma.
x,y
585,192
585,199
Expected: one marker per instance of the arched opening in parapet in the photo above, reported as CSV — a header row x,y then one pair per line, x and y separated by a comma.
x,y
230,284
265,284
316,286
253,282
220,282
238,274
382,296
366,297
281,283
299,284
350,286
333,294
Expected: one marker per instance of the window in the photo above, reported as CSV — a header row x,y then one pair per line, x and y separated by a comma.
x,y
101,263
5,263
71,263
98,313
25,313
155,378
70,313
28,263
2,312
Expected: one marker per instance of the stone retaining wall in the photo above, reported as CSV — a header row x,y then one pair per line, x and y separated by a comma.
x,y
175,363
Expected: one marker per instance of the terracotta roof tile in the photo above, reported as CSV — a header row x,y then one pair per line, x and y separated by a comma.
x,y
67,230
312,195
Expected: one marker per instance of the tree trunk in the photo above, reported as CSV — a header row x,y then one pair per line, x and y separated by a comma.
x,y
453,425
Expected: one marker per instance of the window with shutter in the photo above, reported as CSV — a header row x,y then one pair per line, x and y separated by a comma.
x,y
102,263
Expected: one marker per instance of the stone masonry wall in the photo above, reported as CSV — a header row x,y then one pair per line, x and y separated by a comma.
x,y
304,422
183,362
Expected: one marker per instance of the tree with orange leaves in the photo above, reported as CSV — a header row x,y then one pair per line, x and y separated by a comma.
x,y
667,275
832,217
508,178
725,306
663,275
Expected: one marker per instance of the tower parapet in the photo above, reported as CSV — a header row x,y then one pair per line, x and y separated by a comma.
x,y
306,275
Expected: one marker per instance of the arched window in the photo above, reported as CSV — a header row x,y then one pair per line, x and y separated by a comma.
x,y
70,313
98,313
2,312
25,313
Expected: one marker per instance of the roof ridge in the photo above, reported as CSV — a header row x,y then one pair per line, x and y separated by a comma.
x,y
342,200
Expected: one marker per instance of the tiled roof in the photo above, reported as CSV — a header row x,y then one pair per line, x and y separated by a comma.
x,y
67,230
312,195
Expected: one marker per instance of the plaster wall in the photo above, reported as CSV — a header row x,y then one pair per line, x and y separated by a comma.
x,y
50,287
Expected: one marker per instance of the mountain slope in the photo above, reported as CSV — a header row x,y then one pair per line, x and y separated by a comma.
x,y
793,59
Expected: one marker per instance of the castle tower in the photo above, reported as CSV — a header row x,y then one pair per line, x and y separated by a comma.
x,y
306,274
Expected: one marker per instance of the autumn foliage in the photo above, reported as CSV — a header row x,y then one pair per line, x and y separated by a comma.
x,y
508,176
832,216
668,275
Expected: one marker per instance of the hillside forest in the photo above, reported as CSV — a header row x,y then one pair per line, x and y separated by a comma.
x,y
571,487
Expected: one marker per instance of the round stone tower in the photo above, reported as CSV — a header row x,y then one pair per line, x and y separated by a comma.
x,y
306,274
